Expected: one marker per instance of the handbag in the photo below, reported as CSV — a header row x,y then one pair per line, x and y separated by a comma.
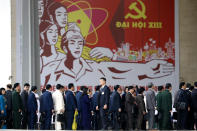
x,y
74,124
60,117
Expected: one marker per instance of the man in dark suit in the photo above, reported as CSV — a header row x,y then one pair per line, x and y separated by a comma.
x,y
96,119
115,106
151,105
183,107
78,96
17,106
194,103
46,108
32,108
103,101
141,108
9,106
129,107
24,97
71,105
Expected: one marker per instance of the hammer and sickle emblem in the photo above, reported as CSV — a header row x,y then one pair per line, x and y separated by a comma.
x,y
140,13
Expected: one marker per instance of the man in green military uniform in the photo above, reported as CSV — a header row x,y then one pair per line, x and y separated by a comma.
x,y
166,107
159,104
17,106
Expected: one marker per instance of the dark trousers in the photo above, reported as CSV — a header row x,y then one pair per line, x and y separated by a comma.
x,y
46,124
182,119
16,120
139,120
115,122
32,117
104,119
25,120
96,121
130,120
70,117
123,120
9,119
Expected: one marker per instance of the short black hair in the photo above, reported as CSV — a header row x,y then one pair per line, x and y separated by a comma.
x,y
26,84
116,87
141,90
70,85
58,86
130,87
168,85
43,90
160,88
191,88
181,84
9,86
1,90
15,85
103,78
33,88
150,85
48,86
188,85
97,88
81,88
195,84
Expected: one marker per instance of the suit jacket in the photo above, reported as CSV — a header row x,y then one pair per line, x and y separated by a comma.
x,y
95,100
129,103
183,97
159,100
32,103
115,101
71,104
46,102
58,101
16,101
150,99
166,101
24,97
78,96
140,103
9,99
194,98
104,96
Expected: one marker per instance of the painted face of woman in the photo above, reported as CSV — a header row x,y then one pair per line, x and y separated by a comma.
x,y
61,16
52,35
40,8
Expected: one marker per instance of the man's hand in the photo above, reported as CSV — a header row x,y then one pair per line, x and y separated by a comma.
x,y
97,108
105,107
144,113
19,110
62,111
2,112
158,69
188,108
100,52
119,110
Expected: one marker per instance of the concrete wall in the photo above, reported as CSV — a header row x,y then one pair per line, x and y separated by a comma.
x,y
188,40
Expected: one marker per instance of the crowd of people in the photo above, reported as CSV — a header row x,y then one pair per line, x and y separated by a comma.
x,y
128,108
